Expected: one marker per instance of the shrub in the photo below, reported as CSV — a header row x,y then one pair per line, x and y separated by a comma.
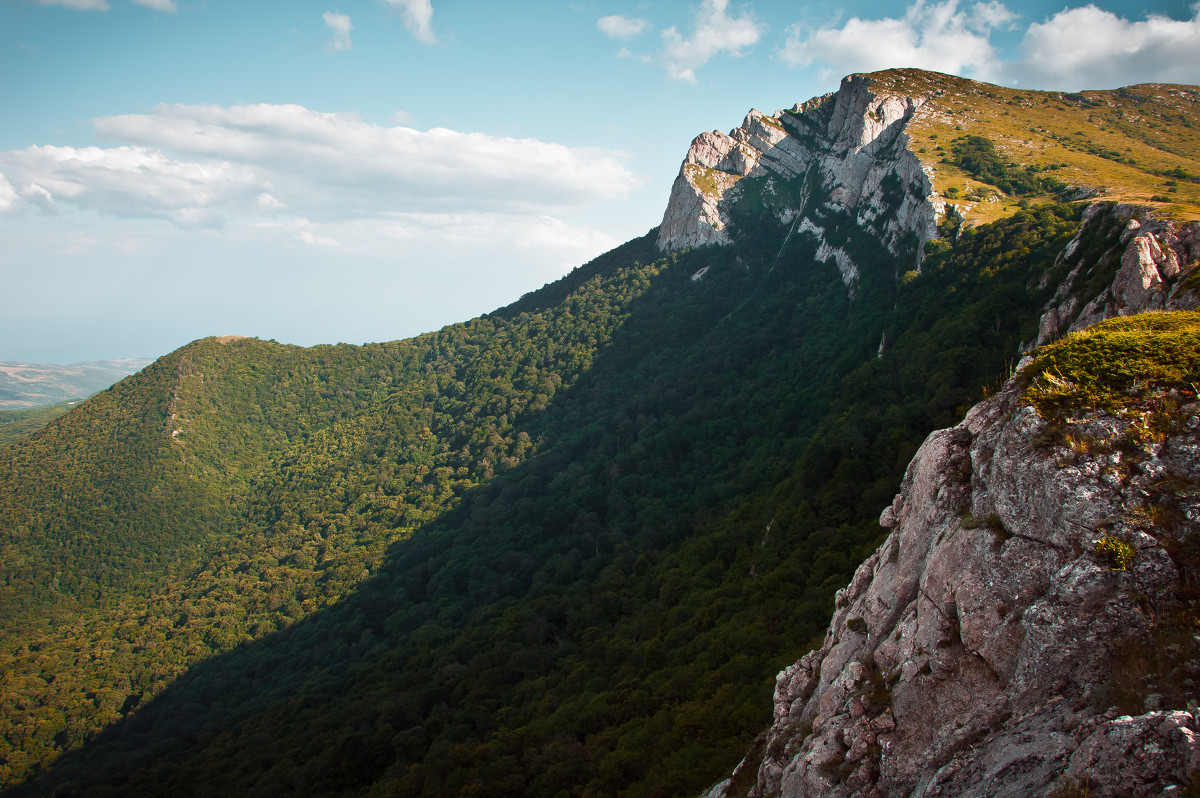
x,y
1114,552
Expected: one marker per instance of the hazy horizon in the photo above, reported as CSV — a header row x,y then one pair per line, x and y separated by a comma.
x,y
367,171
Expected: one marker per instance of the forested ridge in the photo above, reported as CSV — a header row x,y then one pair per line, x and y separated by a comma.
x,y
561,549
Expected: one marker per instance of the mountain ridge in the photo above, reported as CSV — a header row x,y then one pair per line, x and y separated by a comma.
x,y
994,644
561,547
35,384
873,132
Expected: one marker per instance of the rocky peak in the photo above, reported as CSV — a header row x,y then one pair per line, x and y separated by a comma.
x,y
844,146
861,117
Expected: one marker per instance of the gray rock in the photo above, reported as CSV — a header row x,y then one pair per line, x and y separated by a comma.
x,y
845,144
1154,253
982,649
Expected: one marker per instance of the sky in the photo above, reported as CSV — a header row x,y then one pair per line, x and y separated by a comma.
x,y
368,170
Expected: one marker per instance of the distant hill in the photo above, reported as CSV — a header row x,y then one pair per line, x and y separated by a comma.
x,y
25,385
563,548
16,424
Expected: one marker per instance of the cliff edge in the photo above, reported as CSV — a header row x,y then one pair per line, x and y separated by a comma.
x,y
894,153
843,152
1030,625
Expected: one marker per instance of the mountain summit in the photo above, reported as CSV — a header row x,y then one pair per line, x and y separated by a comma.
x,y
896,148
564,548
841,152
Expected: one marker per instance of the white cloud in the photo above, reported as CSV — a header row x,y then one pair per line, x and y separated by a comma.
x,y
1083,47
267,201
509,231
937,36
205,165
713,32
418,18
312,240
991,15
160,5
619,27
78,5
128,181
1089,47
9,201
341,27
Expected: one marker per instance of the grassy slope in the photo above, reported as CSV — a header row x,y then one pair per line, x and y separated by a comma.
x,y
1120,366
1120,143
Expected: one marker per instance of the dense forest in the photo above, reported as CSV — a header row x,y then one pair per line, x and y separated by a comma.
x,y
564,548
16,424
561,549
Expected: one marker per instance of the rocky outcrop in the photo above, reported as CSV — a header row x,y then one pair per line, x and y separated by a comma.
x,y
1148,254
1028,626
982,650
848,150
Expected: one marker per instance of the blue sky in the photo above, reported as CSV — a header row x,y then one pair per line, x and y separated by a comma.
x,y
367,170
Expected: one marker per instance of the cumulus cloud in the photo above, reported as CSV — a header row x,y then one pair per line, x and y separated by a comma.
x,y
418,18
341,27
1089,47
198,166
160,5
1083,47
127,181
713,32
623,28
9,201
937,36
78,5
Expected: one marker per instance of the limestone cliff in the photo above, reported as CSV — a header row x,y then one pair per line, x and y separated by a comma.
x,y
849,151
1148,256
1029,625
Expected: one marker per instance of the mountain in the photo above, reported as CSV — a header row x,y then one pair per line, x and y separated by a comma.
x,y
33,395
899,149
16,424
562,548
1028,627
25,385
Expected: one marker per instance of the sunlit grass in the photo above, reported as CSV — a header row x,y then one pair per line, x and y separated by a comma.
x,y
1126,145
1131,363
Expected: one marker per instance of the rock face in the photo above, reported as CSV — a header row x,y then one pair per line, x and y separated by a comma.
x,y
1000,642
849,147
975,652
1149,254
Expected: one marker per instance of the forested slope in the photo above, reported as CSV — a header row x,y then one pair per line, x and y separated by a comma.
x,y
561,549
516,551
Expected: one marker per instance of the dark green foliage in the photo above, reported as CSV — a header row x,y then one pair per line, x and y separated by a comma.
x,y
16,424
977,156
561,549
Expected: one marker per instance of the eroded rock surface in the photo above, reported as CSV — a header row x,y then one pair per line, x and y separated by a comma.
x,y
995,644
849,148
986,648
1148,254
